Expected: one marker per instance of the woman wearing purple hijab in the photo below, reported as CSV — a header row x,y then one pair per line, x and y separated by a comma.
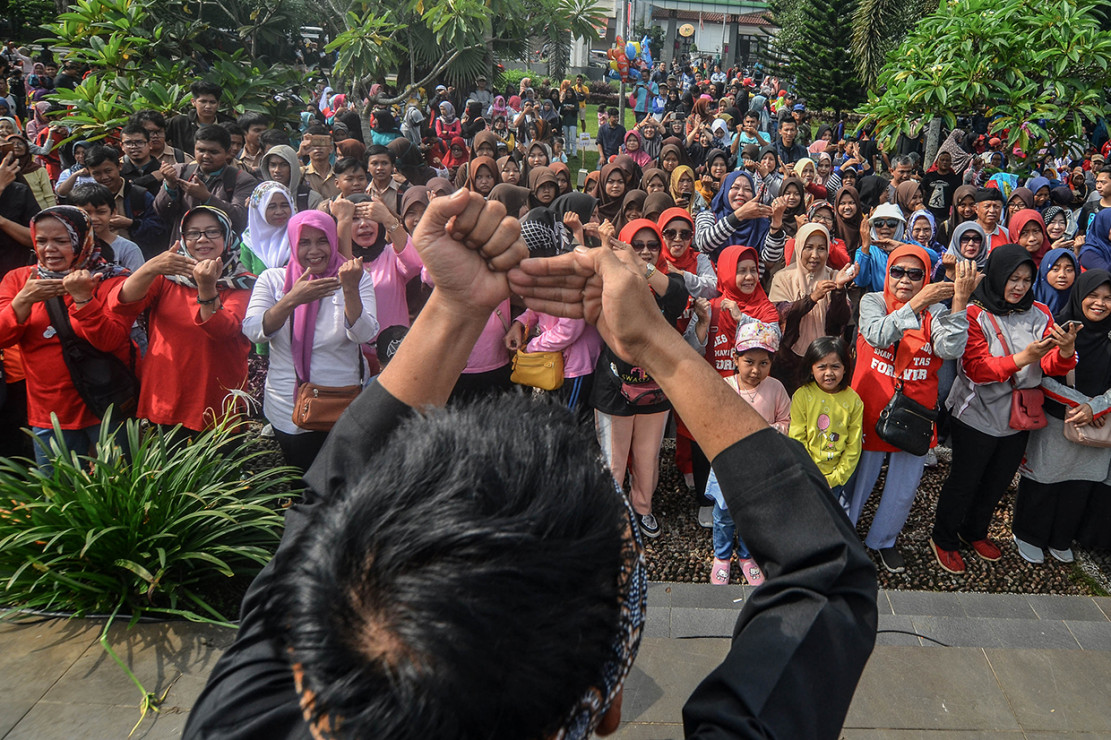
x,y
314,313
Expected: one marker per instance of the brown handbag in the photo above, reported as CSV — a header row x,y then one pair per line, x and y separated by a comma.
x,y
317,408
1089,435
1027,412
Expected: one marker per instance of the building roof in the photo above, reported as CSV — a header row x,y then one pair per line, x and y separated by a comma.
x,y
743,19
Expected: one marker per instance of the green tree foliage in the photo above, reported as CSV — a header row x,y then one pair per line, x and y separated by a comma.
x,y
878,27
820,59
1036,70
137,51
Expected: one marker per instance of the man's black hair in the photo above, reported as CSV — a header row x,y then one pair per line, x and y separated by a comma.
x,y
475,594
273,137
252,118
318,129
349,164
151,116
214,132
375,150
134,128
99,154
232,128
204,87
93,194
1105,169
613,112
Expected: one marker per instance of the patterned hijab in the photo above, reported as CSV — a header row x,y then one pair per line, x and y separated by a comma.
x,y
233,275
86,247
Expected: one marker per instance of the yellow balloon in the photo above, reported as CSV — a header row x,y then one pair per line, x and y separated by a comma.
x,y
636,45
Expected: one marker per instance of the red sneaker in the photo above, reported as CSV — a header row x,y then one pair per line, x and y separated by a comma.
x,y
986,549
949,560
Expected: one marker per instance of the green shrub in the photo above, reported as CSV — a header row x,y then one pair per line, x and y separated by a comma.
x,y
151,537
511,77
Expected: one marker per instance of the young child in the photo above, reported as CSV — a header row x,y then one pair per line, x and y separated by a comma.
x,y
755,346
826,414
558,155
99,202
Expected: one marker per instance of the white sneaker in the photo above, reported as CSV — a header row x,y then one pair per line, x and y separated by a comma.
x,y
267,431
649,526
688,481
706,517
931,458
1065,556
1030,553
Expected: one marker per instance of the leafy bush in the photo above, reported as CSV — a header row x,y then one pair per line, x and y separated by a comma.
x,y
512,78
601,87
150,537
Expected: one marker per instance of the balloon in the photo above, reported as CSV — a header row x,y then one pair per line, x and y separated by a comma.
x,y
613,65
636,46
614,76
823,422
630,50
611,53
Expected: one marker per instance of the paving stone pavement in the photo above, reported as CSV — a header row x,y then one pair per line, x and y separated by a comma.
x,y
946,666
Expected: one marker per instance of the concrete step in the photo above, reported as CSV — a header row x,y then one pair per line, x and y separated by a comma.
x,y
908,618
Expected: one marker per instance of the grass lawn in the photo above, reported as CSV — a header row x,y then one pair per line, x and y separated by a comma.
x,y
591,162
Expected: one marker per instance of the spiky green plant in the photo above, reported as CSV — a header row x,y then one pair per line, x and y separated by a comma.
x,y
150,536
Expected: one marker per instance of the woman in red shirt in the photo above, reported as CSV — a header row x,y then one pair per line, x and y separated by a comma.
x,y
905,332
197,292
71,270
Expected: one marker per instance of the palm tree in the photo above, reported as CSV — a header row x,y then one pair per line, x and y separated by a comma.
x,y
879,26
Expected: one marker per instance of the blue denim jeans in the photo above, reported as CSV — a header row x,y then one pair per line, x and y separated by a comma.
x,y
571,139
725,530
77,440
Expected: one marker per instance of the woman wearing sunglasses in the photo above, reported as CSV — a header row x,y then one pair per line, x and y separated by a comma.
x,y
630,410
886,231
695,268
906,333
1012,342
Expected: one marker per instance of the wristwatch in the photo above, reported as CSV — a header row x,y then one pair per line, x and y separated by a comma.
x,y
650,271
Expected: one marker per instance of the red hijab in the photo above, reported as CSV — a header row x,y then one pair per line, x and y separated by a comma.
x,y
913,339
636,225
1018,223
688,262
450,161
754,304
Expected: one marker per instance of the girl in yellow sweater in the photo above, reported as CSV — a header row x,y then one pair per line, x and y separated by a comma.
x,y
827,415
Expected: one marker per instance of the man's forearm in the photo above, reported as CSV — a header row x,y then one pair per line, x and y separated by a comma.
x,y
715,415
434,353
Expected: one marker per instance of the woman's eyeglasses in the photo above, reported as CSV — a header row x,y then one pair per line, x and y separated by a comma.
x,y
642,246
914,273
969,238
194,236
683,234
886,223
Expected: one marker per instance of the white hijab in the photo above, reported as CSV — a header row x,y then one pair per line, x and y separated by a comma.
x,y
269,243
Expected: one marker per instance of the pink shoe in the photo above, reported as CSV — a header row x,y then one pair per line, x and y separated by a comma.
x,y
719,574
752,572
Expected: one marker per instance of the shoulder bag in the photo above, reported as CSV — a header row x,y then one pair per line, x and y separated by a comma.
x,y
100,378
1089,435
543,370
1027,404
905,423
317,408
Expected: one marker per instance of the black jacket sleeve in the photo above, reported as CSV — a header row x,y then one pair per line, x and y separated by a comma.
x,y
801,641
250,693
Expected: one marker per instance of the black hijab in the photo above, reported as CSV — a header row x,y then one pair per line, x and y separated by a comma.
x,y
871,189
1093,342
1001,264
580,203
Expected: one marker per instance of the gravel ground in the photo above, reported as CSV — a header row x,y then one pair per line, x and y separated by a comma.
x,y
683,552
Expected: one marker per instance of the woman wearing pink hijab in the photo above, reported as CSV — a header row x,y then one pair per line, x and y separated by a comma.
x,y
314,313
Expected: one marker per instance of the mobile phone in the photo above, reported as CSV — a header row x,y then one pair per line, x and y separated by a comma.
x,y
1069,324
6,148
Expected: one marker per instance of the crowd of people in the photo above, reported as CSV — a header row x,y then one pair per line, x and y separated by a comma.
x,y
867,303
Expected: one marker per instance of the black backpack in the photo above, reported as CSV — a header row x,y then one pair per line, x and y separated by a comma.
x,y
100,378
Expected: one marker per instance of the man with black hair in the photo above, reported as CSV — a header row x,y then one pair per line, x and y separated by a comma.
x,y
139,166
1089,210
786,145
611,135
182,129
238,140
100,203
474,572
212,180
155,125
317,144
384,185
135,217
351,180
253,125
989,214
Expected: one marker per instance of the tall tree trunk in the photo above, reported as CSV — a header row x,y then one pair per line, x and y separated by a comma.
x,y
933,142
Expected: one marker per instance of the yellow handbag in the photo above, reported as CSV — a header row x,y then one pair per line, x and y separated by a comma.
x,y
543,370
